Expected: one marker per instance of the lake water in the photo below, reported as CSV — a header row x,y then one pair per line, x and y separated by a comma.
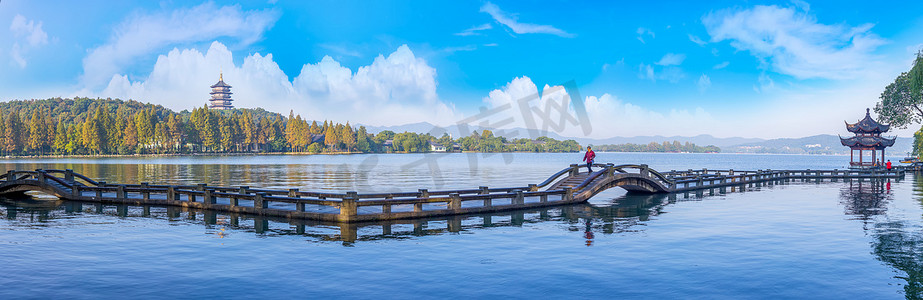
x,y
791,240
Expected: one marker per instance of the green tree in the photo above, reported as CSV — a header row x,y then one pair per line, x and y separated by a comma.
x,y
36,132
60,139
902,101
363,144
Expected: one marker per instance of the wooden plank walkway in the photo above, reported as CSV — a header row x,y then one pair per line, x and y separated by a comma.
x,y
564,187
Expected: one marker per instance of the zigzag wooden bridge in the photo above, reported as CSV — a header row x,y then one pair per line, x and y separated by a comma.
x,y
564,187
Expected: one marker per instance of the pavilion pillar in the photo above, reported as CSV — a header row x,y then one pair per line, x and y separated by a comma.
x,y
852,160
860,157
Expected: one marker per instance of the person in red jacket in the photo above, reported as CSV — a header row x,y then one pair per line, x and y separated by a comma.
x,y
589,157
888,165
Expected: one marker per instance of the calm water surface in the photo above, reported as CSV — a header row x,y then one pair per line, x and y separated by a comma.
x,y
789,240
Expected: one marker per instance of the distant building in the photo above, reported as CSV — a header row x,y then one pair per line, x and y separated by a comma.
x,y
867,139
221,95
436,147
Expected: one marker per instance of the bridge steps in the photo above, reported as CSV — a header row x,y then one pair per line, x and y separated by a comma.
x,y
565,187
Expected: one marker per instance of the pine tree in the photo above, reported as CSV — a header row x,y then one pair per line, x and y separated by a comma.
x,y
130,138
330,136
36,134
90,135
3,131
348,137
12,136
362,140
60,139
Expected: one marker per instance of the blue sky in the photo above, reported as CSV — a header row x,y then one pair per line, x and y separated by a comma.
x,y
728,68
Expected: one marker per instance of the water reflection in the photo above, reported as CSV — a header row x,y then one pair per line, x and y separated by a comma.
x,y
866,199
897,241
615,216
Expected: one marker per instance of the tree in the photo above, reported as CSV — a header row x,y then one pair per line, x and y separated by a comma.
x,y
36,132
363,144
348,137
902,101
330,136
60,138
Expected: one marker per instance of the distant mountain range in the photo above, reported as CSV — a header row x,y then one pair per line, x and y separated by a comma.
x,y
818,144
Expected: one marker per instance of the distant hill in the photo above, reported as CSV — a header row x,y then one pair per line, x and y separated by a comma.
x,y
455,131
818,144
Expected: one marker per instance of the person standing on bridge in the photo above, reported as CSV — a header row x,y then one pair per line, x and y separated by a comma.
x,y
888,165
589,157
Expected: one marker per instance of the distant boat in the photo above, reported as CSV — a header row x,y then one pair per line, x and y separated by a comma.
x,y
910,160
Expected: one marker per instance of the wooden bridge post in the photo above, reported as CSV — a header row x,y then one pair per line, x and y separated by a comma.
x,y
120,192
645,171
418,207
484,190
69,175
145,191
10,175
348,208
568,194
208,199
293,193
75,191
244,190
99,192
41,175
454,201
518,199
574,169
171,193
259,202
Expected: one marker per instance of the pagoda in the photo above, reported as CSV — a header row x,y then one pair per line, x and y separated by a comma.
x,y
221,95
867,138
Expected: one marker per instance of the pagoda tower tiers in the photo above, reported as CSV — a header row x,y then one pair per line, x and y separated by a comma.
x,y
221,95
867,139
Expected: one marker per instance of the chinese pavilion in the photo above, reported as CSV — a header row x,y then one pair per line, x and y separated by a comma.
x,y
221,95
868,138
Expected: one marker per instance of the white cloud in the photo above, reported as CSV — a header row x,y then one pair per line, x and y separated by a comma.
x,y
475,30
671,59
668,73
703,83
607,115
644,31
393,90
140,35
794,43
646,72
28,36
341,50
697,40
721,65
612,116
520,28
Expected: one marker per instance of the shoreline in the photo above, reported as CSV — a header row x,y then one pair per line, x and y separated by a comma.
x,y
353,153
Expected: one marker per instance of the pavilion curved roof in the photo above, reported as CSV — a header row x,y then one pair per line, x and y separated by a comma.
x,y
867,125
868,141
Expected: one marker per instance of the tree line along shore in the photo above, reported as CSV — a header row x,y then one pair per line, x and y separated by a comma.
x,y
83,126
110,127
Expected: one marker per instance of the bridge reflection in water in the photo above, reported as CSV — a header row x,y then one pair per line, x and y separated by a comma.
x,y
612,216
